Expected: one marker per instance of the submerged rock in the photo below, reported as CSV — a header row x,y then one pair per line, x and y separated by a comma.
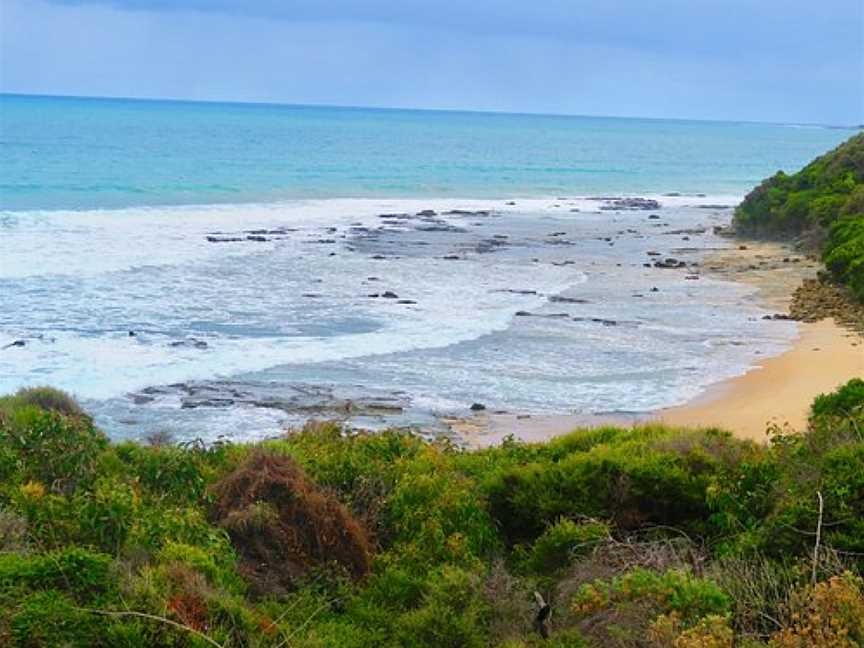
x,y
567,300
224,239
631,204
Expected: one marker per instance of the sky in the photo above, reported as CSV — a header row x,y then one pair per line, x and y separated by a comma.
x,y
794,61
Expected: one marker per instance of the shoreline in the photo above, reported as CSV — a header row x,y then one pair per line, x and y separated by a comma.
x,y
777,391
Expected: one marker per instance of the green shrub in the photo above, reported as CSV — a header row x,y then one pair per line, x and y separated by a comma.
x,y
826,195
80,572
639,482
49,618
179,475
624,609
156,526
450,614
846,401
56,450
49,399
437,513
563,541
106,514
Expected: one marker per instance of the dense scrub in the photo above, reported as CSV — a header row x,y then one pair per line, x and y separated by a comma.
x,y
647,536
825,200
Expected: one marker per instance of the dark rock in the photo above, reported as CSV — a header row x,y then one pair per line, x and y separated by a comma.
x,y
16,343
256,238
558,299
489,245
465,212
132,334
224,239
451,257
523,314
441,227
778,316
389,294
427,212
670,263
631,204
406,301
478,407
191,343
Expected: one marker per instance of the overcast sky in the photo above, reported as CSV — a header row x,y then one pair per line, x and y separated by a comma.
x,y
764,60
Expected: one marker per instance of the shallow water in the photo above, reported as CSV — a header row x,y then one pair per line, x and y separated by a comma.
x,y
528,307
121,279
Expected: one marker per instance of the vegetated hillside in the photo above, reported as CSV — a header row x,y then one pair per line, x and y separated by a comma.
x,y
824,200
649,536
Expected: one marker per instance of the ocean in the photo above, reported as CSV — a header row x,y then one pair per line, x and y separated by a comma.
x,y
224,270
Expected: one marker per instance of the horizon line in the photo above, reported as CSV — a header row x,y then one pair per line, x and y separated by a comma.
x,y
472,111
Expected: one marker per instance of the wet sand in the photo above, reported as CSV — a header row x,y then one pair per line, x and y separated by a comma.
x,y
776,392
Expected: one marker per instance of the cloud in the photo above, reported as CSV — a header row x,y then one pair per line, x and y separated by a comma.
x,y
669,58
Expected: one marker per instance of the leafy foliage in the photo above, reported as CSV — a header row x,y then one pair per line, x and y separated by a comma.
x,y
392,541
825,196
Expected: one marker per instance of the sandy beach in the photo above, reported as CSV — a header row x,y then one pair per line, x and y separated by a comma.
x,y
777,392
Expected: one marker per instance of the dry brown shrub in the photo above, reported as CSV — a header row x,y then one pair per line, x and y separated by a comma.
x,y
827,615
512,604
282,524
188,597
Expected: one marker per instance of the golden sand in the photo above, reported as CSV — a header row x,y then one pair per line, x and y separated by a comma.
x,y
778,391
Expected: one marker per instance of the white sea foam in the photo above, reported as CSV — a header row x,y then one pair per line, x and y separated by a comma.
x,y
75,283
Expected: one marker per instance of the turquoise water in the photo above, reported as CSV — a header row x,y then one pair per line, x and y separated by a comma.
x,y
75,153
222,269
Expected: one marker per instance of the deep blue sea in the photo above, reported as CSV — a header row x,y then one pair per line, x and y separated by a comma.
x,y
225,269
